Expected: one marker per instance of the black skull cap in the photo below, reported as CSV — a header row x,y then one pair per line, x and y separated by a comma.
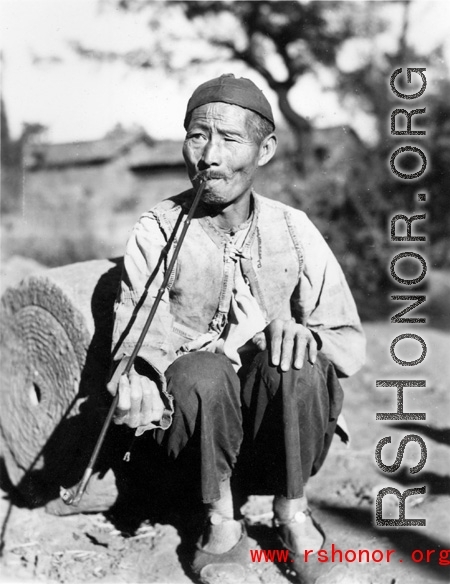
x,y
228,89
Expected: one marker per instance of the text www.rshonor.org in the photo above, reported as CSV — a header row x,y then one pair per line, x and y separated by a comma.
x,y
336,555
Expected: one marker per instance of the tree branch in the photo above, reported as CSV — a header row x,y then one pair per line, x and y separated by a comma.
x,y
248,57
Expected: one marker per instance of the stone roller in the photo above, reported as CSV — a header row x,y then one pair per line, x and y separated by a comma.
x,y
55,340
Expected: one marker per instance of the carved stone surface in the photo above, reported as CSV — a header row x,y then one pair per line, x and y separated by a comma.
x,y
55,341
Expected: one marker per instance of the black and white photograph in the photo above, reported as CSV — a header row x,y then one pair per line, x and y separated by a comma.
x,y
175,174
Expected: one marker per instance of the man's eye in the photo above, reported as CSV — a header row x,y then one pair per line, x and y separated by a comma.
x,y
197,136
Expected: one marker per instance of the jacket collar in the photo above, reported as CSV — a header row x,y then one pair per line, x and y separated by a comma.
x,y
221,237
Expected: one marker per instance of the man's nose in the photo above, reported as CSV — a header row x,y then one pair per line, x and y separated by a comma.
x,y
211,154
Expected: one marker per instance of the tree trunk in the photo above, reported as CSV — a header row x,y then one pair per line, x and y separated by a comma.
x,y
301,128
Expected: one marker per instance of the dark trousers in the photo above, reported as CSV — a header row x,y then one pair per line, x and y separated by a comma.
x,y
271,429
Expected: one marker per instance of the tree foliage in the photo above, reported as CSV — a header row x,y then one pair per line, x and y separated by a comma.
x,y
281,40
285,41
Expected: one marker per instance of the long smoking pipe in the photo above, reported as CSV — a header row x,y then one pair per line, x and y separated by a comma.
x,y
73,495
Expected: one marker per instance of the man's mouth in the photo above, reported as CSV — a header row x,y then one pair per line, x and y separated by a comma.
x,y
215,176
208,176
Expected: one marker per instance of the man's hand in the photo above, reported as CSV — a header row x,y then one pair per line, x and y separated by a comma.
x,y
139,400
288,342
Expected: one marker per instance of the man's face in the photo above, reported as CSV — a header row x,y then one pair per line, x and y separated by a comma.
x,y
219,140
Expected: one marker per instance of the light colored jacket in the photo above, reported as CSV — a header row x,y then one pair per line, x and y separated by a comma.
x,y
288,265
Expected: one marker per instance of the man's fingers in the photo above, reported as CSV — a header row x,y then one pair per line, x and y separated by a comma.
x,y
300,349
260,341
287,348
124,403
152,405
275,331
147,406
135,400
112,387
139,401
305,342
312,349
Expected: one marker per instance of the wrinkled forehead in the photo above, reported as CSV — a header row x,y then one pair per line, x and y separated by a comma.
x,y
223,115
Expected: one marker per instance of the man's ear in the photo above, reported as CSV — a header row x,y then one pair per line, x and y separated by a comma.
x,y
267,149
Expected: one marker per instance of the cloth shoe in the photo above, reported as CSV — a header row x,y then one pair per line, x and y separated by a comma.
x,y
226,568
306,572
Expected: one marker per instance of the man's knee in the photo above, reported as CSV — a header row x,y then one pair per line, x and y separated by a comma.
x,y
206,374
306,381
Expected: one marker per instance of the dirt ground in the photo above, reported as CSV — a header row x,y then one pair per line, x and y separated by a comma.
x,y
148,541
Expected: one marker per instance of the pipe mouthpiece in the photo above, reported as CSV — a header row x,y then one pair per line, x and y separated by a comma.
x,y
201,176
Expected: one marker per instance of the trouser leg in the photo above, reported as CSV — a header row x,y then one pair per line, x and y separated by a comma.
x,y
207,417
289,422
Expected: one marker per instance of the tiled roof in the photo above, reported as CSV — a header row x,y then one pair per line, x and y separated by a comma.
x,y
150,153
161,153
141,151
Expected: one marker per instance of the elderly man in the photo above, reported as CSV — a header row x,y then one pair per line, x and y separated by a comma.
x,y
257,323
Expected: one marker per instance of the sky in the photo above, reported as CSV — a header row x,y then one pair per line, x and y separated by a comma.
x,y
44,81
